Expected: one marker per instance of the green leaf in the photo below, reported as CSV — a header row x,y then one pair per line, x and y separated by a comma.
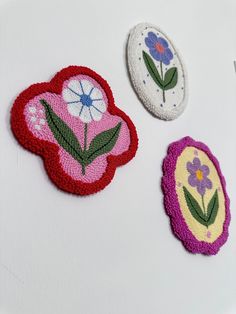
x,y
63,134
150,65
171,78
212,208
194,207
103,143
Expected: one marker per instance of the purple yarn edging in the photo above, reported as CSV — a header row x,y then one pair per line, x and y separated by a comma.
x,y
171,203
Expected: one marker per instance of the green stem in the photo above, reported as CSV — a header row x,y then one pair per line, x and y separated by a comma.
x,y
204,209
83,169
85,135
162,77
203,205
85,144
163,95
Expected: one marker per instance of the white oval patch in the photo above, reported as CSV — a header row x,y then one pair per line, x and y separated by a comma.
x,y
156,71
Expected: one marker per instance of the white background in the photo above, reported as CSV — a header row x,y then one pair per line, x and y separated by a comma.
x,y
113,252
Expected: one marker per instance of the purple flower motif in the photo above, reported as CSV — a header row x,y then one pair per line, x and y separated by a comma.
x,y
158,48
198,176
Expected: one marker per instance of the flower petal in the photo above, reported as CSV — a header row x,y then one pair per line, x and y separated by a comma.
x,y
191,167
163,42
205,170
169,54
74,109
75,86
86,86
152,37
149,43
197,163
96,114
69,96
192,180
100,105
95,93
155,54
164,59
201,188
85,115
208,183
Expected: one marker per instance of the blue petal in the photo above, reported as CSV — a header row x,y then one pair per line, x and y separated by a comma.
x,y
163,42
169,54
149,43
152,37
164,59
155,54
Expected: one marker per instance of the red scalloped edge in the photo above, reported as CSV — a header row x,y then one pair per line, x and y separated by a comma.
x,y
49,151
171,203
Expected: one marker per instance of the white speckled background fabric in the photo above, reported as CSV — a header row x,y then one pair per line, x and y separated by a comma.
x,y
148,91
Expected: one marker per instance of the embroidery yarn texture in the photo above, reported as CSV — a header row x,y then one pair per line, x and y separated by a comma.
x,y
195,196
156,71
73,123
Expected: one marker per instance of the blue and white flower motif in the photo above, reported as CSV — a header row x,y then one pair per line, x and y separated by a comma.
x,y
84,100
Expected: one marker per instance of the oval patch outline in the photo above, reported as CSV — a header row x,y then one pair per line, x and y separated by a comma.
x,y
156,71
195,196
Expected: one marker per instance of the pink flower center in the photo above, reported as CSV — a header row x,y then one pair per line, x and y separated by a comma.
x,y
160,48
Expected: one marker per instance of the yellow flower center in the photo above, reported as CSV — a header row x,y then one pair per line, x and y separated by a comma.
x,y
199,175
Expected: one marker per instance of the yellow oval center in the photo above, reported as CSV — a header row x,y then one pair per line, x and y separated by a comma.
x,y
199,175
200,232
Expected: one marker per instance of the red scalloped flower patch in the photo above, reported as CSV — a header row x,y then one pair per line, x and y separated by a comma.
x,y
74,125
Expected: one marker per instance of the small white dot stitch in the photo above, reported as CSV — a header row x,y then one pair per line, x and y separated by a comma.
x,y
40,111
37,127
42,121
32,109
33,119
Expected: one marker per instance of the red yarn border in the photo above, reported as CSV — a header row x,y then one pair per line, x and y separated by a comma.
x,y
49,151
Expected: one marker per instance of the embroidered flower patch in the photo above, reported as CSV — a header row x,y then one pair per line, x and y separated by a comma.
x,y
195,196
73,123
156,71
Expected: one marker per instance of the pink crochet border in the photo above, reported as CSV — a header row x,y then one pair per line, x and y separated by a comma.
x,y
171,203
